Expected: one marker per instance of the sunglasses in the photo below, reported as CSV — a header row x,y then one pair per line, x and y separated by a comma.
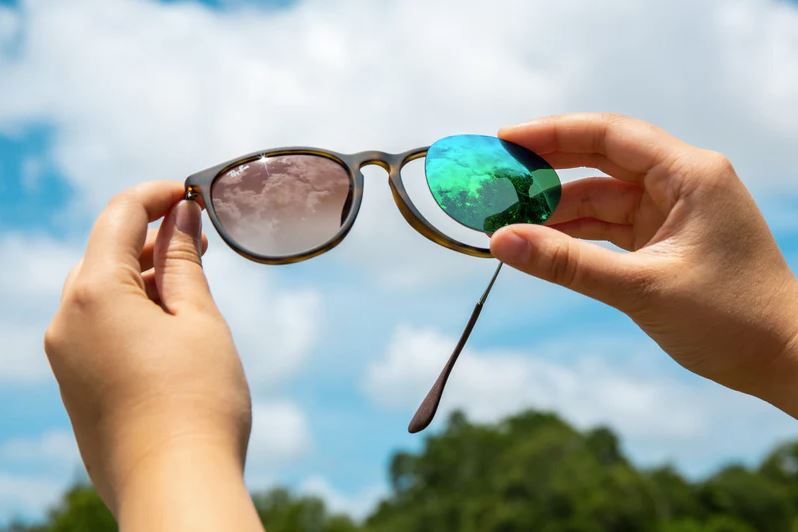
x,y
287,205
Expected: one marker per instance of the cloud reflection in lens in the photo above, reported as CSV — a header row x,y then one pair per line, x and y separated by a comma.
x,y
282,205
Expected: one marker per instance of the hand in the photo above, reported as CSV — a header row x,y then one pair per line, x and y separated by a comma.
x,y
148,371
705,278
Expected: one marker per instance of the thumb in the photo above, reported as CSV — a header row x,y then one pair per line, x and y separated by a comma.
x,y
179,275
597,272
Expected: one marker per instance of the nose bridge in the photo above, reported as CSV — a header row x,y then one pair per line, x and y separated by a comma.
x,y
387,161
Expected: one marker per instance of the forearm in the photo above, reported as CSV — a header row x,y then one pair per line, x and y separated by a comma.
x,y
196,488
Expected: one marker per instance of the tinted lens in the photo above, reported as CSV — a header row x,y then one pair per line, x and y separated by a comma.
x,y
418,191
283,205
486,183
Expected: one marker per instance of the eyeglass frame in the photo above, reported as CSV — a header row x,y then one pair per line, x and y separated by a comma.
x,y
200,186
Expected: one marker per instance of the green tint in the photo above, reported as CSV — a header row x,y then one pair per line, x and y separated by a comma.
x,y
486,183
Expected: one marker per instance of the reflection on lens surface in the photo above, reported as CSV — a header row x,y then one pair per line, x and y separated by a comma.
x,y
282,205
418,191
486,183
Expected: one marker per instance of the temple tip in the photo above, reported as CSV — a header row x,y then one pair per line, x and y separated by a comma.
x,y
419,422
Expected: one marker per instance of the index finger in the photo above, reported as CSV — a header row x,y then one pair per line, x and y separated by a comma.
x,y
118,235
627,145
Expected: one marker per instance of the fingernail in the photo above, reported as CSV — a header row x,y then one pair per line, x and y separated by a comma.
x,y
509,247
188,220
528,123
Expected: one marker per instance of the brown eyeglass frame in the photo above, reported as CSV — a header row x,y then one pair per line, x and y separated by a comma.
x,y
200,184
199,187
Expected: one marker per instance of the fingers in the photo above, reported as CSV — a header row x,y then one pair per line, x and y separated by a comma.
x,y
602,198
151,287
592,160
145,260
591,229
611,277
629,146
117,238
179,276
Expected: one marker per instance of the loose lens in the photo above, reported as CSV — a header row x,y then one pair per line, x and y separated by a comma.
x,y
486,183
283,205
415,184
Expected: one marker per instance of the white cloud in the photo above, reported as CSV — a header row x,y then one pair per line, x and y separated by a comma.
x,y
34,270
280,436
763,57
356,505
164,90
9,23
56,448
659,416
25,496
34,471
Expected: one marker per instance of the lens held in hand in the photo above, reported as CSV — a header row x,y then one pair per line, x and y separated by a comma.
x,y
486,183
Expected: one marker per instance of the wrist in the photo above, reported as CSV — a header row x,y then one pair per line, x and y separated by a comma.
x,y
782,387
186,485
155,462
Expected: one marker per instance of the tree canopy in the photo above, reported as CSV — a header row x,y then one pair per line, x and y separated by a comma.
x,y
531,471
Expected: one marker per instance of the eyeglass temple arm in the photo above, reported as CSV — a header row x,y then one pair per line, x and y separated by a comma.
x,y
426,411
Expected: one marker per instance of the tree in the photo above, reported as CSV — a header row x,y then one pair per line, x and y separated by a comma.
x,y
280,511
531,471
80,509
750,497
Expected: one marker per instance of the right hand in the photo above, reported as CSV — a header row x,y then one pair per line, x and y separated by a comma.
x,y
705,278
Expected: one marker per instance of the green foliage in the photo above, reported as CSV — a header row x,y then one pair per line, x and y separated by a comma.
x,y
281,512
80,509
750,497
531,471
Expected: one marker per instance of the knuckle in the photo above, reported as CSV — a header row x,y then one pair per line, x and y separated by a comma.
x,y
119,199
719,164
706,170
53,338
584,208
84,294
182,251
563,264
122,200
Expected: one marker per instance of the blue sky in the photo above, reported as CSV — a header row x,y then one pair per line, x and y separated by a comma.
x,y
100,95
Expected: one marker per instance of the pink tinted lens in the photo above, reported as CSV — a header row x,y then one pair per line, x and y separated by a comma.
x,y
282,205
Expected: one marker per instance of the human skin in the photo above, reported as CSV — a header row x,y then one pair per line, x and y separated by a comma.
x,y
704,277
149,374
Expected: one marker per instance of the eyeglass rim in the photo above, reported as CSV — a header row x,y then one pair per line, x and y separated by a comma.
x,y
199,185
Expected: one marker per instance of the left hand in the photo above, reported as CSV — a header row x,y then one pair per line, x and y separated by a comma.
x,y
149,373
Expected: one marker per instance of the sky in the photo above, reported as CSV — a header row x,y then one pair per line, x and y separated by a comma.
x,y
98,95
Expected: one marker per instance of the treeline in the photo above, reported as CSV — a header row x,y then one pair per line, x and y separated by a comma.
x,y
531,471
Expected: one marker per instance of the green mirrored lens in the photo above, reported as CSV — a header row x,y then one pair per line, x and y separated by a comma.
x,y
486,183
